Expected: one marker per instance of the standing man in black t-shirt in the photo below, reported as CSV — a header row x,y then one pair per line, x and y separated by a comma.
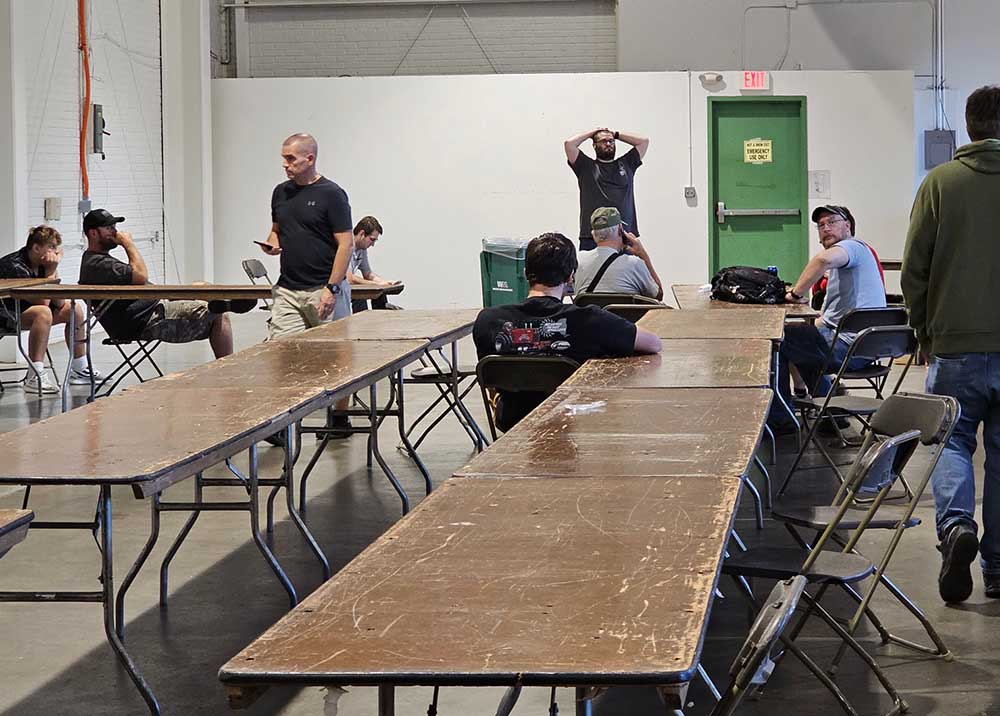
x,y
605,181
311,230
544,325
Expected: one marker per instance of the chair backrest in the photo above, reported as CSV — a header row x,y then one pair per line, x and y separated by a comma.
x,y
254,270
524,374
633,311
883,342
933,415
753,665
880,466
859,319
605,299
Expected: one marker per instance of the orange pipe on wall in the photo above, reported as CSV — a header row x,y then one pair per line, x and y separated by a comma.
x,y
85,118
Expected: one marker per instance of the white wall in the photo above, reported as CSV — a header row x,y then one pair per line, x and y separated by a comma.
x,y
125,65
440,38
446,161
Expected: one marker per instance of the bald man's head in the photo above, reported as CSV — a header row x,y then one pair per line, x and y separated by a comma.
x,y
298,156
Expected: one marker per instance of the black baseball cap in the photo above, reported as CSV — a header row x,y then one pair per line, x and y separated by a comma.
x,y
842,211
100,217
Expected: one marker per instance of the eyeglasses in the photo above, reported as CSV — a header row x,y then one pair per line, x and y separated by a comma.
x,y
606,140
828,222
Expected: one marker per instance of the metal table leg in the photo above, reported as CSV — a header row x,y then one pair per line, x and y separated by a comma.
x,y
290,500
154,533
373,416
178,541
410,450
481,441
69,361
258,539
386,701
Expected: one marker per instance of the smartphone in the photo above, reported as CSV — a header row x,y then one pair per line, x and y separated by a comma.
x,y
266,246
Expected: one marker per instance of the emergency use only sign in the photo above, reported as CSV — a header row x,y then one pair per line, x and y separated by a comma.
x,y
757,151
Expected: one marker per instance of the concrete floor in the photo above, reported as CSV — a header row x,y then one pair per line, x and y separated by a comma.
x,y
54,658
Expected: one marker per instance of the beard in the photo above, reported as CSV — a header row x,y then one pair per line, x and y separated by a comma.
x,y
607,154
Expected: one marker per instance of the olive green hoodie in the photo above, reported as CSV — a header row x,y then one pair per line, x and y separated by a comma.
x,y
951,264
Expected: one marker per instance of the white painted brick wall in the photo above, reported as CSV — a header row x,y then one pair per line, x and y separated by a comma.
x,y
125,67
572,36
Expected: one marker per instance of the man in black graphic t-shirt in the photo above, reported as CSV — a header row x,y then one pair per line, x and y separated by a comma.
x,y
605,181
544,325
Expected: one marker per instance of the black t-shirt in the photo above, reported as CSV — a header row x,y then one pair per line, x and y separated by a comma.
x,y
607,184
124,320
17,265
307,218
543,325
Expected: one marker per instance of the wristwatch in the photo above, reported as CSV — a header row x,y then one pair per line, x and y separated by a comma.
x,y
616,135
334,288
796,296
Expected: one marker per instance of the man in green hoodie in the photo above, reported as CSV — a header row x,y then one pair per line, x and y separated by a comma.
x,y
951,266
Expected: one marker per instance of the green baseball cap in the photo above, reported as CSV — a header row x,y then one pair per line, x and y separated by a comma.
x,y
605,218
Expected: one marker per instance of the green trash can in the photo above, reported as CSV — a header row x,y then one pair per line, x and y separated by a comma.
x,y
502,268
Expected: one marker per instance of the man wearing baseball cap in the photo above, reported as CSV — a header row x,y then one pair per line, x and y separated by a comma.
x,y
619,263
854,281
169,321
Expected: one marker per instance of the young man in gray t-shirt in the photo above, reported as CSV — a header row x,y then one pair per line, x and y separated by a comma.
x,y
631,271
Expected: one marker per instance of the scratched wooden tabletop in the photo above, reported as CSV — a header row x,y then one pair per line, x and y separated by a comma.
x,y
394,325
751,322
582,431
199,291
492,581
684,363
9,284
322,365
13,527
690,296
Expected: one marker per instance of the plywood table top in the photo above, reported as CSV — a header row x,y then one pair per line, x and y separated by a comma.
x,y
689,296
365,293
13,528
749,322
323,366
432,325
147,437
684,363
608,432
10,284
540,582
202,292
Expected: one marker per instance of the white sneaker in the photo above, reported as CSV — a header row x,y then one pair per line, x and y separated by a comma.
x,y
42,385
82,376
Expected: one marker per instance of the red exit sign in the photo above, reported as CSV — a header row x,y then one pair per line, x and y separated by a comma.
x,y
756,80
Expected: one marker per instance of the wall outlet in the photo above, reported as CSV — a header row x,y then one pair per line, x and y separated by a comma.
x,y
689,192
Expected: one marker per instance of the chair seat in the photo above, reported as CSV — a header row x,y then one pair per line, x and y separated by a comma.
x,y
875,370
842,404
430,374
817,518
786,562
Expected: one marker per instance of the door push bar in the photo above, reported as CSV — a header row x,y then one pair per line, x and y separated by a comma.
x,y
721,212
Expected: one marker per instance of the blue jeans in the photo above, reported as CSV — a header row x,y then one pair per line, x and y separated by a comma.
x,y
974,380
808,348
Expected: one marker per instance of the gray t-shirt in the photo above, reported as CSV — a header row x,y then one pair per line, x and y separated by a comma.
x,y
626,274
858,284
359,262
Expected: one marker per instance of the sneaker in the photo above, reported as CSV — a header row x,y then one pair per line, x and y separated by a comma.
x,y
991,582
958,550
83,376
41,384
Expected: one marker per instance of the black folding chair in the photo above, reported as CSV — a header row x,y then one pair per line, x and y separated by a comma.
x,y
877,343
8,328
254,269
133,354
540,375
855,321
604,299
874,472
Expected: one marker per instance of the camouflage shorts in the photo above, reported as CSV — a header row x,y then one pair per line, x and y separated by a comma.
x,y
180,322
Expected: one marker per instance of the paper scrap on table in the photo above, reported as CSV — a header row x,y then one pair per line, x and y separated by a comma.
x,y
585,408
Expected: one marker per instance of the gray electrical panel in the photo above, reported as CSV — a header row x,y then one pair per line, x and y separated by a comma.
x,y
939,147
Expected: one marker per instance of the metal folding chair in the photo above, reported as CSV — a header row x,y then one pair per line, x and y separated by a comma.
x,y
131,360
855,321
540,375
440,376
8,328
877,343
605,299
254,270
874,472
935,417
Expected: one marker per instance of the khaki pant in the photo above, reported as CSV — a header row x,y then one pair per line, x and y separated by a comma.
x,y
180,322
295,311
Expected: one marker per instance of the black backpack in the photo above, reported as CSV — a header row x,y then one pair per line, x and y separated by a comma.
x,y
747,284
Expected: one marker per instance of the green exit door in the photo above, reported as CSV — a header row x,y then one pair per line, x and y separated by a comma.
x,y
758,186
